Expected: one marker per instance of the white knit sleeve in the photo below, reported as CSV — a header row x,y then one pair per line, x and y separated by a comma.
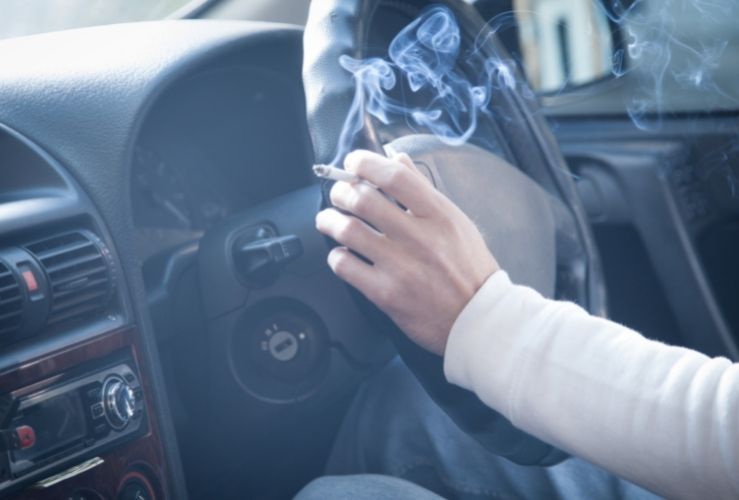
x,y
666,418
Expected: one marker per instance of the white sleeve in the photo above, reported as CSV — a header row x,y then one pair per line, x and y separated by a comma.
x,y
666,418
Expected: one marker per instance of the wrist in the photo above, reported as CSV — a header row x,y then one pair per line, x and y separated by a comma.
x,y
490,287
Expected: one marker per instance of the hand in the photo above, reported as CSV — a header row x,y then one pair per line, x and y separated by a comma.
x,y
426,262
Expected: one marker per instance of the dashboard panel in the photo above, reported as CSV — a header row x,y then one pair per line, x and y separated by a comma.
x,y
65,335
217,143
89,104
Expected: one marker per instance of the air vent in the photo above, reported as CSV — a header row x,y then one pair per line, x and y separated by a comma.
x,y
11,302
79,273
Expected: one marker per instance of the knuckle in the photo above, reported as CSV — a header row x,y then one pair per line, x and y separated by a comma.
x,y
339,194
405,279
361,201
357,161
385,295
347,229
404,158
440,213
363,165
447,223
420,237
397,175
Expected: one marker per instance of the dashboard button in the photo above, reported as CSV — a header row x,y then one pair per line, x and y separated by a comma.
x,y
94,392
26,436
97,410
30,279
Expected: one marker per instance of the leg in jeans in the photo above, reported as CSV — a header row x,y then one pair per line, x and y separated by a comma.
x,y
364,487
394,428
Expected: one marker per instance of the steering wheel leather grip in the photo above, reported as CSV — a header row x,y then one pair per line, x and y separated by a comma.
x,y
333,29
342,27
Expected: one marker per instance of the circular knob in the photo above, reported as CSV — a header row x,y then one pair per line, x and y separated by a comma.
x,y
119,401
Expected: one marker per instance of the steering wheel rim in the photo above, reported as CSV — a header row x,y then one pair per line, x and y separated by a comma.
x,y
342,27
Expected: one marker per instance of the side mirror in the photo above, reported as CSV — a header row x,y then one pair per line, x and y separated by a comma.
x,y
559,43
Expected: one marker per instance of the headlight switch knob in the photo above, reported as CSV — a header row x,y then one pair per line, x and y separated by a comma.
x,y
120,402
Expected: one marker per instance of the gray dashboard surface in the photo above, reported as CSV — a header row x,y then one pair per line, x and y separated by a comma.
x,y
82,95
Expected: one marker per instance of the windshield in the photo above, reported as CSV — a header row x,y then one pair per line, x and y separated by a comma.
x,y
679,55
27,17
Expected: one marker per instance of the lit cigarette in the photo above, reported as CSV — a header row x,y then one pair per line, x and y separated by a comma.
x,y
335,174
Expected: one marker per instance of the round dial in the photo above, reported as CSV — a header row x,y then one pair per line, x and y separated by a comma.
x,y
120,402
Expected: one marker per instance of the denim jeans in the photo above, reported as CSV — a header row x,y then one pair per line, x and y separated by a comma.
x,y
364,487
393,428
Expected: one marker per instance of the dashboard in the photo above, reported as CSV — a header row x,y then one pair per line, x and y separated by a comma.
x,y
71,377
215,144
116,144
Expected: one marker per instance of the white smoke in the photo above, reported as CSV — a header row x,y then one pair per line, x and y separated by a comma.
x,y
425,54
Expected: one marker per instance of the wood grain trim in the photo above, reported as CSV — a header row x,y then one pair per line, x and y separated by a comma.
x,y
144,455
59,361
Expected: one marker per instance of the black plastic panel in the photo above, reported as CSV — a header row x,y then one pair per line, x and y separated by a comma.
x,y
673,187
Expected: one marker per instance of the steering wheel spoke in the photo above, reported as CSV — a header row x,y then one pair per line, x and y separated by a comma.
x,y
283,325
534,224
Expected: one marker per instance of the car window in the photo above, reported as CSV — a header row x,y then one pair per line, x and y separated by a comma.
x,y
684,53
679,55
27,17
563,43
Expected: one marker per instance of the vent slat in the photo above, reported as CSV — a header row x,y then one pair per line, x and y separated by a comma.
x,y
65,249
11,302
71,300
6,330
79,261
9,298
78,273
6,316
7,288
75,312
89,285
66,281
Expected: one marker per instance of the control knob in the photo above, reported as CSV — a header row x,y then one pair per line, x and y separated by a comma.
x,y
120,402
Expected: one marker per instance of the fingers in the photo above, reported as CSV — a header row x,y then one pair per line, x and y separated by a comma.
x,y
408,162
396,179
353,233
369,204
354,271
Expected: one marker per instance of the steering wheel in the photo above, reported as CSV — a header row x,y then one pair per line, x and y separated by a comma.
x,y
284,329
531,216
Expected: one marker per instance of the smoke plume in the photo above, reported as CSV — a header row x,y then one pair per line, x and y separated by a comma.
x,y
425,54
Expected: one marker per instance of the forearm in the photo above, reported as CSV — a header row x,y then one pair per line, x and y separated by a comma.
x,y
664,417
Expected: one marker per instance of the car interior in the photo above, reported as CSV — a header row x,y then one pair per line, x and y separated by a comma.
x,y
169,327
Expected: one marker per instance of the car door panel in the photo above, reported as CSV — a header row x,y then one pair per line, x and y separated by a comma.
x,y
673,188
